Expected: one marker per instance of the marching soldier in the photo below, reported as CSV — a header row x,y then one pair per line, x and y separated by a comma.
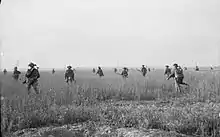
x,y
144,70
167,71
16,73
178,76
32,75
69,75
124,73
115,70
93,70
100,72
197,68
5,71
53,71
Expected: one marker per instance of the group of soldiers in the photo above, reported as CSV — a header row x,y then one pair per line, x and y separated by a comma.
x,y
177,74
32,75
124,72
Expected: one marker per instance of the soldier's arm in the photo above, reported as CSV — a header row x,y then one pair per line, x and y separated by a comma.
x,y
27,74
122,73
171,75
165,72
72,73
98,72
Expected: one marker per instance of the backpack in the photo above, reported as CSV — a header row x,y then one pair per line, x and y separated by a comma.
x,y
179,71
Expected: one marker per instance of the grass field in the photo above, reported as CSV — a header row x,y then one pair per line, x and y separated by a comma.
x,y
111,106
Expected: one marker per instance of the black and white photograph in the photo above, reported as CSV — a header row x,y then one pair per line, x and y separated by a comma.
x,y
110,68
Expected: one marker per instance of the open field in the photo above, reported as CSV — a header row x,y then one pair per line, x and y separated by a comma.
x,y
111,107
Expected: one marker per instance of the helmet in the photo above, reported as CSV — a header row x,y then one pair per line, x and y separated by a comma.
x,y
69,67
32,64
176,65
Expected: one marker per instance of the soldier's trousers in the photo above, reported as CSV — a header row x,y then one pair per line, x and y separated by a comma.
x,y
178,81
71,80
35,86
16,78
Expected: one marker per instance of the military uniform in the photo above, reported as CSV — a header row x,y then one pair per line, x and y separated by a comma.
x,y
178,75
93,70
144,70
69,75
124,73
53,71
100,72
16,74
32,76
167,71
115,70
5,71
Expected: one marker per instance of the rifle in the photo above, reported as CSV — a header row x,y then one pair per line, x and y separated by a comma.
x,y
121,75
138,70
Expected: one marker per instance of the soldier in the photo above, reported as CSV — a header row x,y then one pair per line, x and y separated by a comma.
x,y
167,71
69,75
93,70
115,70
16,73
5,71
100,72
149,69
178,76
53,71
197,68
32,75
124,73
144,70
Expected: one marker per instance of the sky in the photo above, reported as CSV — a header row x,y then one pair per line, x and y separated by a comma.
x,y
109,33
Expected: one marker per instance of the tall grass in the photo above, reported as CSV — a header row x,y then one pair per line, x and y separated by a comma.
x,y
194,112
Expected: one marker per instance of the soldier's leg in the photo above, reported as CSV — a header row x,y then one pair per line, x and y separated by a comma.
x,y
36,87
177,85
71,80
29,88
67,80
183,83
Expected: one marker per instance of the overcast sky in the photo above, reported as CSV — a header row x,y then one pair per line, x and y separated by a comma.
x,y
55,33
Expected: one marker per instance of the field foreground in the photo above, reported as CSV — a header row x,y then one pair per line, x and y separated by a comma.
x,y
129,119
110,107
